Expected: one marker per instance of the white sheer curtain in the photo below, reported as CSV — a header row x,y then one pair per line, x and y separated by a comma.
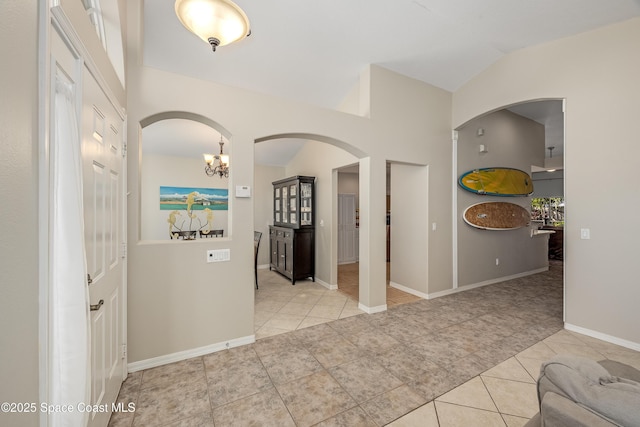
x,y
70,328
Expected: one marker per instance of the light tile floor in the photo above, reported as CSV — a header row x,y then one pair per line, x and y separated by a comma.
x,y
505,395
465,359
281,307
348,284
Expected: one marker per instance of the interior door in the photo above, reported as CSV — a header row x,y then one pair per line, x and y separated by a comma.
x,y
103,159
347,248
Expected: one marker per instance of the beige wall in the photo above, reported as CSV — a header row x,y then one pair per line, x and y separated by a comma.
x,y
174,305
263,204
597,73
421,125
19,293
511,141
410,227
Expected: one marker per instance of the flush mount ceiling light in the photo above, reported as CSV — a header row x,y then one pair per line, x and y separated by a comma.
x,y
222,167
217,22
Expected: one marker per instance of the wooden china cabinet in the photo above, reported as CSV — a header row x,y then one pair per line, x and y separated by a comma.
x,y
292,237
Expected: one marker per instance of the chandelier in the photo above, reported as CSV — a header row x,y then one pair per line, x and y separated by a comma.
x,y
217,164
217,22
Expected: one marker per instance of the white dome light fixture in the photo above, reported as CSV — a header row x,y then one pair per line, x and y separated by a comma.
x,y
217,22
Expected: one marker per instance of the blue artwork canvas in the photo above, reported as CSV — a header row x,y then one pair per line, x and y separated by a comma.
x,y
178,198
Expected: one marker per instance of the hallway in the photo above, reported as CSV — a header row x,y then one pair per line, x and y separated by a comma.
x,y
348,285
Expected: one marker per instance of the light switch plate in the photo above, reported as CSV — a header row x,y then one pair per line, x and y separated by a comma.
x,y
585,233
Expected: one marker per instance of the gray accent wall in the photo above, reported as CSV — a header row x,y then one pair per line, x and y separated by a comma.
x,y
511,141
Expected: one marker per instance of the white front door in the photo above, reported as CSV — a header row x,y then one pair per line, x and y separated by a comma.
x,y
103,160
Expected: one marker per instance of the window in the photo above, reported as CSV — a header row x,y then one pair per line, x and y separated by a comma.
x,y
548,210
95,16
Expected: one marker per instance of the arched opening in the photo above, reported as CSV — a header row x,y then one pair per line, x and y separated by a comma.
x,y
517,136
278,157
178,199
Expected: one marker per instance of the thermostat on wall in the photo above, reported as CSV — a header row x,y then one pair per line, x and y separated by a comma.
x,y
243,191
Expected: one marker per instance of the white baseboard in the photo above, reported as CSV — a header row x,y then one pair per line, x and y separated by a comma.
x,y
320,282
372,310
603,337
188,354
485,283
408,290
326,285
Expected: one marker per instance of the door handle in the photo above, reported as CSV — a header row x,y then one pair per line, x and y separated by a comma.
x,y
96,307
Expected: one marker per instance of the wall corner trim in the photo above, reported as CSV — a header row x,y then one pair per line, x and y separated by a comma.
x,y
327,285
372,310
408,290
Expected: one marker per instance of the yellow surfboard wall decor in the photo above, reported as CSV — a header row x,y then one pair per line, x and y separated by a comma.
x,y
497,216
497,182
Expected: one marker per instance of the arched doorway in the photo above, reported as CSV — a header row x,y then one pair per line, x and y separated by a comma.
x,y
517,136
179,200
307,155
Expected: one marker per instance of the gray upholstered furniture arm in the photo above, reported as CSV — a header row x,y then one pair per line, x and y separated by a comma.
x,y
558,411
573,391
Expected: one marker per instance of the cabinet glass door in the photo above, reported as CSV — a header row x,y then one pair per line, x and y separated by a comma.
x,y
293,204
276,204
285,204
306,209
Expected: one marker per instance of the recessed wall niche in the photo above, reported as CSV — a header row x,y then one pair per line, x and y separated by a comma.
x,y
178,201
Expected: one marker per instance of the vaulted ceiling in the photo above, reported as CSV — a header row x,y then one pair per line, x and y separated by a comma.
x,y
314,51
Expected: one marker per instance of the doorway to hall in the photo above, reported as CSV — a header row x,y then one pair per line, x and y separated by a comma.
x,y
528,136
348,222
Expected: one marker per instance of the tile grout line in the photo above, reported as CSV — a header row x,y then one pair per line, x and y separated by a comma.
x,y
346,328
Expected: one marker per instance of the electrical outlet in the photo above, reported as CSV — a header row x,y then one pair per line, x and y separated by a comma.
x,y
497,261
